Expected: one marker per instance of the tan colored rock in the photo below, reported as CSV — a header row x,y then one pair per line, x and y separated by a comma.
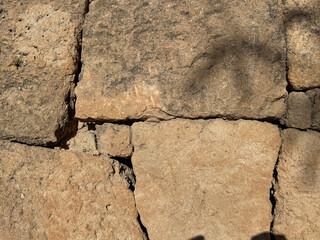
x,y
84,141
298,194
204,177
314,96
114,139
299,110
52,194
182,58
303,43
38,62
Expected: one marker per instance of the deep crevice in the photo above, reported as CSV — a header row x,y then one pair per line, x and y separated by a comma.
x,y
143,228
71,127
132,188
124,161
130,122
274,186
29,144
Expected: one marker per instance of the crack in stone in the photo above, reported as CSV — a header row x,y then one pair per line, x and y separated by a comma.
x,y
274,186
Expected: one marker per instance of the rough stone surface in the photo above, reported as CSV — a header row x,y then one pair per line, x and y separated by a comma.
x,y
38,61
52,194
114,139
84,141
299,110
314,96
108,138
298,194
182,58
303,43
204,177
303,110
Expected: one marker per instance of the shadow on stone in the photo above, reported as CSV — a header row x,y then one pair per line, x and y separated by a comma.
x,y
267,236
199,237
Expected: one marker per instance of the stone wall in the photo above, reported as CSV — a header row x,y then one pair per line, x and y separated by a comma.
x,y
164,119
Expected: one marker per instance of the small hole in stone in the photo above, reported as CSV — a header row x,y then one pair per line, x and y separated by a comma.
x,y
91,126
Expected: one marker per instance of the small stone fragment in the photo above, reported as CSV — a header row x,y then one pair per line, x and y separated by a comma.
x,y
84,141
204,177
114,140
53,194
297,208
314,96
299,110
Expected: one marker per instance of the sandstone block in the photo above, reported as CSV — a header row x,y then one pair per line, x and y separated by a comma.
x,y
207,178
84,141
114,139
52,194
182,58
303,43
39,41
299,110
314,96
298,206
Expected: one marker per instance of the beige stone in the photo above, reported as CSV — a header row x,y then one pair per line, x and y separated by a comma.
x,y
114,140
39,41
299,110
52,194
84,141
298,193
194,58
314,96
207,178
303,43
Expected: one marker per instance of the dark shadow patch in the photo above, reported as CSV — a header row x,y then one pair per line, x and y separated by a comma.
x,y
199,237
268,236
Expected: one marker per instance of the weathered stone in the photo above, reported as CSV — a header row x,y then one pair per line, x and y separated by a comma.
x,y
84,141
204,177
114,140
52,194
303,43
299,110
314,96
298,193
182,58
38,62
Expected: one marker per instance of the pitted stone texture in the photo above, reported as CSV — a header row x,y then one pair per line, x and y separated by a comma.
x,y
114,140
298,194
182,58
204,177
299,110
84,141
52,194
303,43
38,61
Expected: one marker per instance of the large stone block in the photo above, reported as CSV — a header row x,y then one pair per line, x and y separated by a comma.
x,y
182,58
52,194
302,20
207,178
38,60
298,193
